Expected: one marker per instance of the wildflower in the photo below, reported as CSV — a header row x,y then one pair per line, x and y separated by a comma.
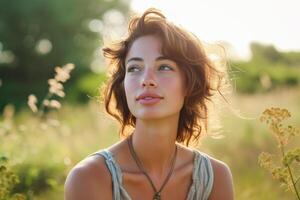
x,y
56,88
291,156
69,67
46,102
54,104
283,172
63,73
275,115
265,160
32,100
280,174
292,131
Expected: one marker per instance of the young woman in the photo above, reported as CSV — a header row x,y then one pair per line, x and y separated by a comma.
x,y
160,87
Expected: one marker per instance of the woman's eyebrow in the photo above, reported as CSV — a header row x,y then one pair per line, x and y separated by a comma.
x,y
141,59
134,59
162,58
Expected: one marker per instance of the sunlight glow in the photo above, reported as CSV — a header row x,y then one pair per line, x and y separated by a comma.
x,y
237,22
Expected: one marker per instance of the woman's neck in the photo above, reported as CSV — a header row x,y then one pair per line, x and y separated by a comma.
x,y
154,143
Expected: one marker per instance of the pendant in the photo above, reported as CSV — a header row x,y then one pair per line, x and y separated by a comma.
x,y
156,196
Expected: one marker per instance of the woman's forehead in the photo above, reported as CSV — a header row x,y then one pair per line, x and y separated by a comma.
x,y
145,46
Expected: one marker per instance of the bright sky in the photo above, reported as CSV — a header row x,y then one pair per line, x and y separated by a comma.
x,y
238,22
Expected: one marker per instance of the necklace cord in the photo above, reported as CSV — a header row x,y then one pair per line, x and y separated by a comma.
x,y
141,168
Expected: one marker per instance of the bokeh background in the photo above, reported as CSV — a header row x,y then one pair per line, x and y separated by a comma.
x,y
262,45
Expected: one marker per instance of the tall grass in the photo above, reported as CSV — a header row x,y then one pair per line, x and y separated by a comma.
x,y
42,152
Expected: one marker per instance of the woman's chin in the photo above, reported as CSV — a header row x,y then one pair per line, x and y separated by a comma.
x,y
150,116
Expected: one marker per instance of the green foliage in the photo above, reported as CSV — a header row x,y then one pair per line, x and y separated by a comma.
x,y
268,53
39,34
286,172
90,84
262,53
8,180
267,70
36,178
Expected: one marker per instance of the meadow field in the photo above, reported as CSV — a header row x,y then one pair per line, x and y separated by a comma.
x,y
42,151
40,143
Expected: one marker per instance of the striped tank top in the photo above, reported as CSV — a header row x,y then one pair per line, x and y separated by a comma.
x,y
202,178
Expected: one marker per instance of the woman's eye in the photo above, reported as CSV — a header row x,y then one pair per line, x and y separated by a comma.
x,y
133,68
165,67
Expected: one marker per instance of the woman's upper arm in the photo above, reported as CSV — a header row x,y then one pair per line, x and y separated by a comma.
x,y
223,182
89,180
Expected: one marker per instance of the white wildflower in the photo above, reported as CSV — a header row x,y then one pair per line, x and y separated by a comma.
x,y
55,104
32,101
69,67
62,75
56,87
46,102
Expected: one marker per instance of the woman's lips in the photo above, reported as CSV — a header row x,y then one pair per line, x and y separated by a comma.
x,y
149,100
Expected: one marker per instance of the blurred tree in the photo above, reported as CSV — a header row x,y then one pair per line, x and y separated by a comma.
x,y
267,69
265,53
37,35
269,54
292,58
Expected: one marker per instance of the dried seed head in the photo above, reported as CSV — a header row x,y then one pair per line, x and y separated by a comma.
x,y
55,104
32,101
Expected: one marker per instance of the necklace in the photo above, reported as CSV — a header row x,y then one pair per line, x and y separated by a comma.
x,y
157,193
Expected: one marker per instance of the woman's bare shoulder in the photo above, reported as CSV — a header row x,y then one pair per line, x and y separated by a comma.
x,y
223,181
89,179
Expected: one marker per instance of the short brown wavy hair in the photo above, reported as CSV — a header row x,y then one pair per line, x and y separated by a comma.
x,y
202,78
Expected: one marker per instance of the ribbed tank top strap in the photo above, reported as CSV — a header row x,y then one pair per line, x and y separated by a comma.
x,y
203,177
119,192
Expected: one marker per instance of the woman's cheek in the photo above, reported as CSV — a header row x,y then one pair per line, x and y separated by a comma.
x,y
172,83
131,86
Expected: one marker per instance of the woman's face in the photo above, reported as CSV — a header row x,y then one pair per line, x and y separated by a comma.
x,y
154,84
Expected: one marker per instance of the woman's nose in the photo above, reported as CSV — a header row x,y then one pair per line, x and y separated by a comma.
x,y
149,79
